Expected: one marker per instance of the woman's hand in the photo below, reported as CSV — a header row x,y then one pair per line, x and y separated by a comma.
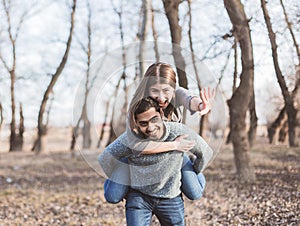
x,y
207,97
182,144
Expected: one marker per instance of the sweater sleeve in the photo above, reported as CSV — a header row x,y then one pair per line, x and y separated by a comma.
x,y
183,98
201,150
111,155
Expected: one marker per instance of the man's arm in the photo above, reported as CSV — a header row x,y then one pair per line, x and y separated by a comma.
x,y
201,150
111,155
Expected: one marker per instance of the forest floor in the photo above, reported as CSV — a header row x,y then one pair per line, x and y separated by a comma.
x,y
57,189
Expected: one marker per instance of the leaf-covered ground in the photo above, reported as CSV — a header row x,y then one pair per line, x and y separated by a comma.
x,y
56,189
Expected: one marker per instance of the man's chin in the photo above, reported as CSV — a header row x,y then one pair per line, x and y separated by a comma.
x,y
152,137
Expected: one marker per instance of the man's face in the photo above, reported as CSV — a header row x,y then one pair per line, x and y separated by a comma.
x,y
163,93
150,124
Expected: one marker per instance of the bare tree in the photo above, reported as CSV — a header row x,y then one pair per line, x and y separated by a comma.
x,y
13,31
86,132
204,118
122,120
241,98
287,96
42,128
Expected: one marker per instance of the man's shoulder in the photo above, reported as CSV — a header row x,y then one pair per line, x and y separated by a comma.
x,y
176,128
121,139
174,125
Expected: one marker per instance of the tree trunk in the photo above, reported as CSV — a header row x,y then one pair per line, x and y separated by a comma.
x,y
12,139
42,130
253,121
288,97
103,125
143,31
240,100
273,129
112,134
297,83
154,34
1,116
171,10
86,131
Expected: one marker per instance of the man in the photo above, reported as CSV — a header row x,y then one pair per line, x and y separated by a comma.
x,y
155,179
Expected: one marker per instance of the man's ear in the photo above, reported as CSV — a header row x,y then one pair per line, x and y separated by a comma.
x,y
136,130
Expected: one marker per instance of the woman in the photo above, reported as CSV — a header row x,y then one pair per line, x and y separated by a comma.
x,y
159,82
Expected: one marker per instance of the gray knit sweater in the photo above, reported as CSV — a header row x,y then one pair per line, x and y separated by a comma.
x,y
157,175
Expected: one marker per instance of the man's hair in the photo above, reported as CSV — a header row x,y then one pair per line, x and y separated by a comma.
x,y
145,104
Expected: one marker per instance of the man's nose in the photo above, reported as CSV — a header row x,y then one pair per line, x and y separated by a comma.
x,y
150,127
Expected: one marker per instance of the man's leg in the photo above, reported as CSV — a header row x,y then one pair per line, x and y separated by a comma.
x,y
138,209
116,187
170,212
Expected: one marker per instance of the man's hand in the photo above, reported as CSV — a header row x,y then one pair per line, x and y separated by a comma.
x,y
183,144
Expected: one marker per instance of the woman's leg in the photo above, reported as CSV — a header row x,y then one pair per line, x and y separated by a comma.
x,y
116,187
193,184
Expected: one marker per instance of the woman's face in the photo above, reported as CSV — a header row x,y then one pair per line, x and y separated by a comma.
x,y
163,93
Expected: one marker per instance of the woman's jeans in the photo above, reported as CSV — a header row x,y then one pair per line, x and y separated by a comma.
x,y
116,188
140,207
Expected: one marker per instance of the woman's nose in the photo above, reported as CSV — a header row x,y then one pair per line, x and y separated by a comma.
x,y
161,97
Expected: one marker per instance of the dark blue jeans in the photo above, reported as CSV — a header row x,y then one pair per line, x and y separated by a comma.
x,y
141,207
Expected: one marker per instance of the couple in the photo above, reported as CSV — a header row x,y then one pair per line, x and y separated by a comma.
x,y
147,164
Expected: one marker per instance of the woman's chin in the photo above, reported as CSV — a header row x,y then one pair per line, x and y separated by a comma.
x,y
164,105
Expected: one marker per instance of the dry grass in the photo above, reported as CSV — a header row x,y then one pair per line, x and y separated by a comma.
x,y
56,189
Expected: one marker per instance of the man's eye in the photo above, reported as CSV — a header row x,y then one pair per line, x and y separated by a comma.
x,y
154,120
143,124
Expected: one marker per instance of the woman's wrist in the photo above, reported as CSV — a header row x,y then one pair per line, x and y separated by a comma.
x,y
200,106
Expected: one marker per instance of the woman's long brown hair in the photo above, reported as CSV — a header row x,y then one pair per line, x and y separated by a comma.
x,y
161,73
